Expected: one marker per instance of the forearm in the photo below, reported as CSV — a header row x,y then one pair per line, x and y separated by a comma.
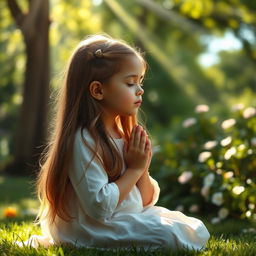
x,y
146,188
126,182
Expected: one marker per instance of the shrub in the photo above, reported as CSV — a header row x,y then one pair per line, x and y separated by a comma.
x,y
210,165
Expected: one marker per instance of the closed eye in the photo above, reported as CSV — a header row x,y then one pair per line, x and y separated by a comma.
x,y
134,84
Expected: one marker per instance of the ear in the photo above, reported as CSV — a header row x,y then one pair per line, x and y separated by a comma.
x,y
96,90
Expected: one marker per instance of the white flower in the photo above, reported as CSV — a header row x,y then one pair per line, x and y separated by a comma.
x,y
208,179
219,171
203,156
253,141
241,147
185,177
210,144
219,164
228,175
189,122
251,206
248,214
180,208
249,112
249,151
201,108
237,107
230,152
215,220
225,142
237,190
228,123
217,198
249,181
194,208
223,213
205,191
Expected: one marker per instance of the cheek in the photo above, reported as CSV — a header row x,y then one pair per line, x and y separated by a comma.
x,y
125,96
127,99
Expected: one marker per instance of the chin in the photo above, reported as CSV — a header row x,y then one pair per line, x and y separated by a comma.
x,y
129,113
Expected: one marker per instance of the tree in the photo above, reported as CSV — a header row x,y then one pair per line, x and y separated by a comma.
x,y
202,15
31,129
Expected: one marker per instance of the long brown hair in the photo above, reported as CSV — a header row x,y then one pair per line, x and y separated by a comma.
x,y
77,109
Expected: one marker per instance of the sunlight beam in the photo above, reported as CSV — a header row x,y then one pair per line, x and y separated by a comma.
x,y
172,17
175,72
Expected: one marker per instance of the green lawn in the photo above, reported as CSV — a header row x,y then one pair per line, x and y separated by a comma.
x,y
227,238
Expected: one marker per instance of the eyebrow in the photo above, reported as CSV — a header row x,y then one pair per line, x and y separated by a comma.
x,y
134,76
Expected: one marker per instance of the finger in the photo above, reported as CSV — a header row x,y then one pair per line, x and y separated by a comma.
x,y
150,152
131,143
147,142
148,146
137,136
147,137
143,140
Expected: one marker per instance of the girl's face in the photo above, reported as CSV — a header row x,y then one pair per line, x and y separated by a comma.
x,y
123,92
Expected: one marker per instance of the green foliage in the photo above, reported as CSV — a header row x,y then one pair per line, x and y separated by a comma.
x,y
175,81
231,13
11,77
65,32
209,165
233,78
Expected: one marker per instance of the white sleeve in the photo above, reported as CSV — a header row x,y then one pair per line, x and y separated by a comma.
x,y
156,192
97,197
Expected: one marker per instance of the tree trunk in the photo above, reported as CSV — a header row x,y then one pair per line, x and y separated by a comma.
x,y
31,131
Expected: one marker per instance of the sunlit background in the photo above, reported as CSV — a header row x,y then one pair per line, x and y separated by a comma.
x,y
199,53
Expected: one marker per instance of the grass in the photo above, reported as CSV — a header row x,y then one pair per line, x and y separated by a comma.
x,y
227,238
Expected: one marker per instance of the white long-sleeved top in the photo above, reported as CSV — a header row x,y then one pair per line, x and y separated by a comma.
x,y
98,221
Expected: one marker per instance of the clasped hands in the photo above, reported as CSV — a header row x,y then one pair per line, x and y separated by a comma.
x,y
138,150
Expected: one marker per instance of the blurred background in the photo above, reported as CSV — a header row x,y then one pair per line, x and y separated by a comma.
x,y
199,99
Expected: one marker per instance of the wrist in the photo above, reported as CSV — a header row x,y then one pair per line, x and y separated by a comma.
x,y
145,173
144,176
135,170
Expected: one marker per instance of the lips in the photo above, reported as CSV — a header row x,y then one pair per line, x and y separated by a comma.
x,y
139,101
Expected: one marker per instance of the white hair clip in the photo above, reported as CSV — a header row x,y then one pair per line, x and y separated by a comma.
x,y
98,53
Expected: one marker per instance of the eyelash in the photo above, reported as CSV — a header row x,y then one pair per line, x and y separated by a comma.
x,y
134,84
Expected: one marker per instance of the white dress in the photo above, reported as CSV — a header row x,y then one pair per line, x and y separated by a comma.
x,y
100,223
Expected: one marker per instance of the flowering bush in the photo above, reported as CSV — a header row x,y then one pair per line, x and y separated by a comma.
x,y
210,165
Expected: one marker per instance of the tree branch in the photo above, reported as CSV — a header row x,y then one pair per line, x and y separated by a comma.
x,y
16,13
25,22
248,49
29,23
171,16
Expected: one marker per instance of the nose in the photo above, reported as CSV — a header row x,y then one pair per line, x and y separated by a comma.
x,y
139,91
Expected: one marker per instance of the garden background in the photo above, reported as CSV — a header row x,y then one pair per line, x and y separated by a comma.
x,y
199,102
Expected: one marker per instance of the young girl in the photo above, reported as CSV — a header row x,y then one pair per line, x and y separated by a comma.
x,y
94,184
